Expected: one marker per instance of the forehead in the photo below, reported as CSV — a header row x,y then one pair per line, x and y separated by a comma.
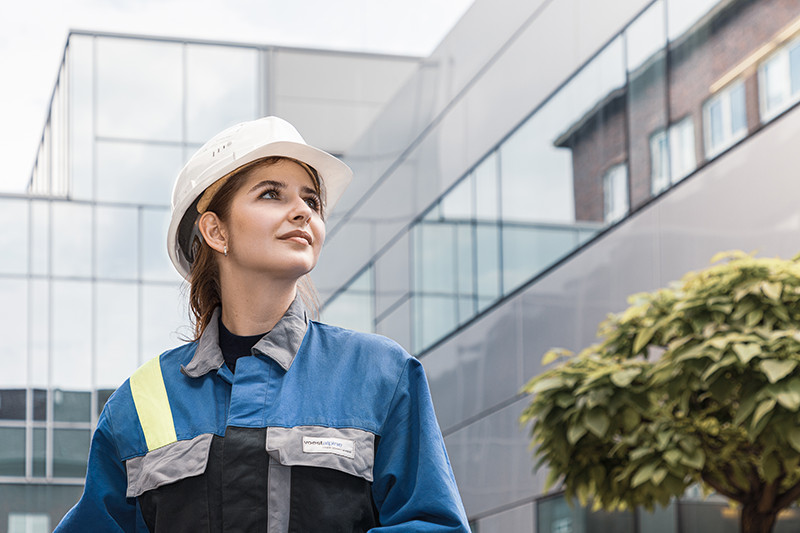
x,y
284,171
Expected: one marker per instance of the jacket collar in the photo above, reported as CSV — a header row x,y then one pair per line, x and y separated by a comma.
x,y
280,344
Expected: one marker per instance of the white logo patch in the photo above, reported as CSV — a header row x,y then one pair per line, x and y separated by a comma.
x,y
343,447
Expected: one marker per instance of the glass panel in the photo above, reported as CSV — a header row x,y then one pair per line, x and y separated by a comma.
x,y
352,308
465,275
646,103
14,333
392,275
486,189
12,451
774,83
457,204
659,157
139,89
660,520
72,322
738,111
137,173
116,333
39,447
39,404
487,252
716,126
40,333
554,515
164,319
156,265
81,66
435,317
615,189
12,404
117,231
28,523
72,239
14,243
530,248
701,517
70,452
40,232
221,89
794,67
683,14
71,406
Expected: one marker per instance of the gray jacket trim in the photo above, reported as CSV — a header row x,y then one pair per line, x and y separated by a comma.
x,y
348,450
279,482
280,344
176,461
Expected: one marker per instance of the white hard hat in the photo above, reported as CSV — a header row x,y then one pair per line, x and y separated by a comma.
x,y
230,150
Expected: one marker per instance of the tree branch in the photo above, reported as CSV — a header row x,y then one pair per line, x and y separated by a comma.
x,y
720,488
788,497
767,501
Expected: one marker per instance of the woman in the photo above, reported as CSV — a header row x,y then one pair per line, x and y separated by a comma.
x,y
268,421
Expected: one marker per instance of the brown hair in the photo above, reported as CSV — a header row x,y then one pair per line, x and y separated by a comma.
x,y
205,293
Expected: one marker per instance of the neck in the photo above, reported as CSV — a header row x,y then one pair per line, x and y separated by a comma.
x,y
254,306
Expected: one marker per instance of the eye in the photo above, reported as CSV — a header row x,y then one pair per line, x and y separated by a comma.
x,y
313,202
271,194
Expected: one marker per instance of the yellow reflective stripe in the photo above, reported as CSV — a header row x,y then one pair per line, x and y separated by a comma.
x,y
152,405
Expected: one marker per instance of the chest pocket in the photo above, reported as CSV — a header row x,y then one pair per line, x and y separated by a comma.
x,y
324,476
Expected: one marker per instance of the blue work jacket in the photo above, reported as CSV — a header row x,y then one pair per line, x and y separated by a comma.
x,y
321,429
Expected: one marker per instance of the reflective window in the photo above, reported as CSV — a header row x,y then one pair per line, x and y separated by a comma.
x,y
156,265
14,332
117,230
165,319
72,324
673,155
81,70
353,307
116,332
779,80
14,244
725,119
28,523
72,239
221,89
139,90
487,233
555,515
39,452
39,332
40,237
12,451
137,173
39,404
70,452
615,193
71,406
12,404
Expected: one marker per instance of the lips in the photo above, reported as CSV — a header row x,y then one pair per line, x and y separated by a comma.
x,y
297,235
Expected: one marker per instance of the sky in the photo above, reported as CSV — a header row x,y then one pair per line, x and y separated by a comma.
x,y
33,35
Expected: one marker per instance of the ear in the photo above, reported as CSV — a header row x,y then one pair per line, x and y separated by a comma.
x,y
213,231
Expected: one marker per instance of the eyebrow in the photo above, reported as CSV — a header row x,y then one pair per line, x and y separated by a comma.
x,y
280,186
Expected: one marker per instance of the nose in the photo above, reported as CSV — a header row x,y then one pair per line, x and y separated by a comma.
x,y
301,211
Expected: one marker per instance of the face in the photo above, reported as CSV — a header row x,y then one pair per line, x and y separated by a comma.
x,y
275,225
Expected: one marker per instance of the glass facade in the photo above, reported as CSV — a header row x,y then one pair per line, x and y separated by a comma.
x,y
505,202
85,268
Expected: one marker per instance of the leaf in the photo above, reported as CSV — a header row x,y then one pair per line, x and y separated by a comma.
x,y
695,459
659,475
642,338
597,422
772,468
763,408
623,378
575,432
547,384
788,394
793,436
746,351
672,456
754,317
553,355
777,369
771,290
644,474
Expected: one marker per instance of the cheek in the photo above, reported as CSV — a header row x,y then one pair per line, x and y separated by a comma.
x,y
320,233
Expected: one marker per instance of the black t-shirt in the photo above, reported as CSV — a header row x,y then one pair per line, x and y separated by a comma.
x,y
235,346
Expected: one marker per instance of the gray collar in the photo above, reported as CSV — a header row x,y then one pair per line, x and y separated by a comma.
x,y
280,344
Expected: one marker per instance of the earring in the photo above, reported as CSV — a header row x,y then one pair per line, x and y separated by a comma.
x,y
225,250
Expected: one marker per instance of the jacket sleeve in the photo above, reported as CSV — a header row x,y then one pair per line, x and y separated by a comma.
x,y
414,488
103,506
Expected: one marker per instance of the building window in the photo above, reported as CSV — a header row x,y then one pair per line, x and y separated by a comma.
x,y
779,81
672,154
28,523
724,119
615,193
